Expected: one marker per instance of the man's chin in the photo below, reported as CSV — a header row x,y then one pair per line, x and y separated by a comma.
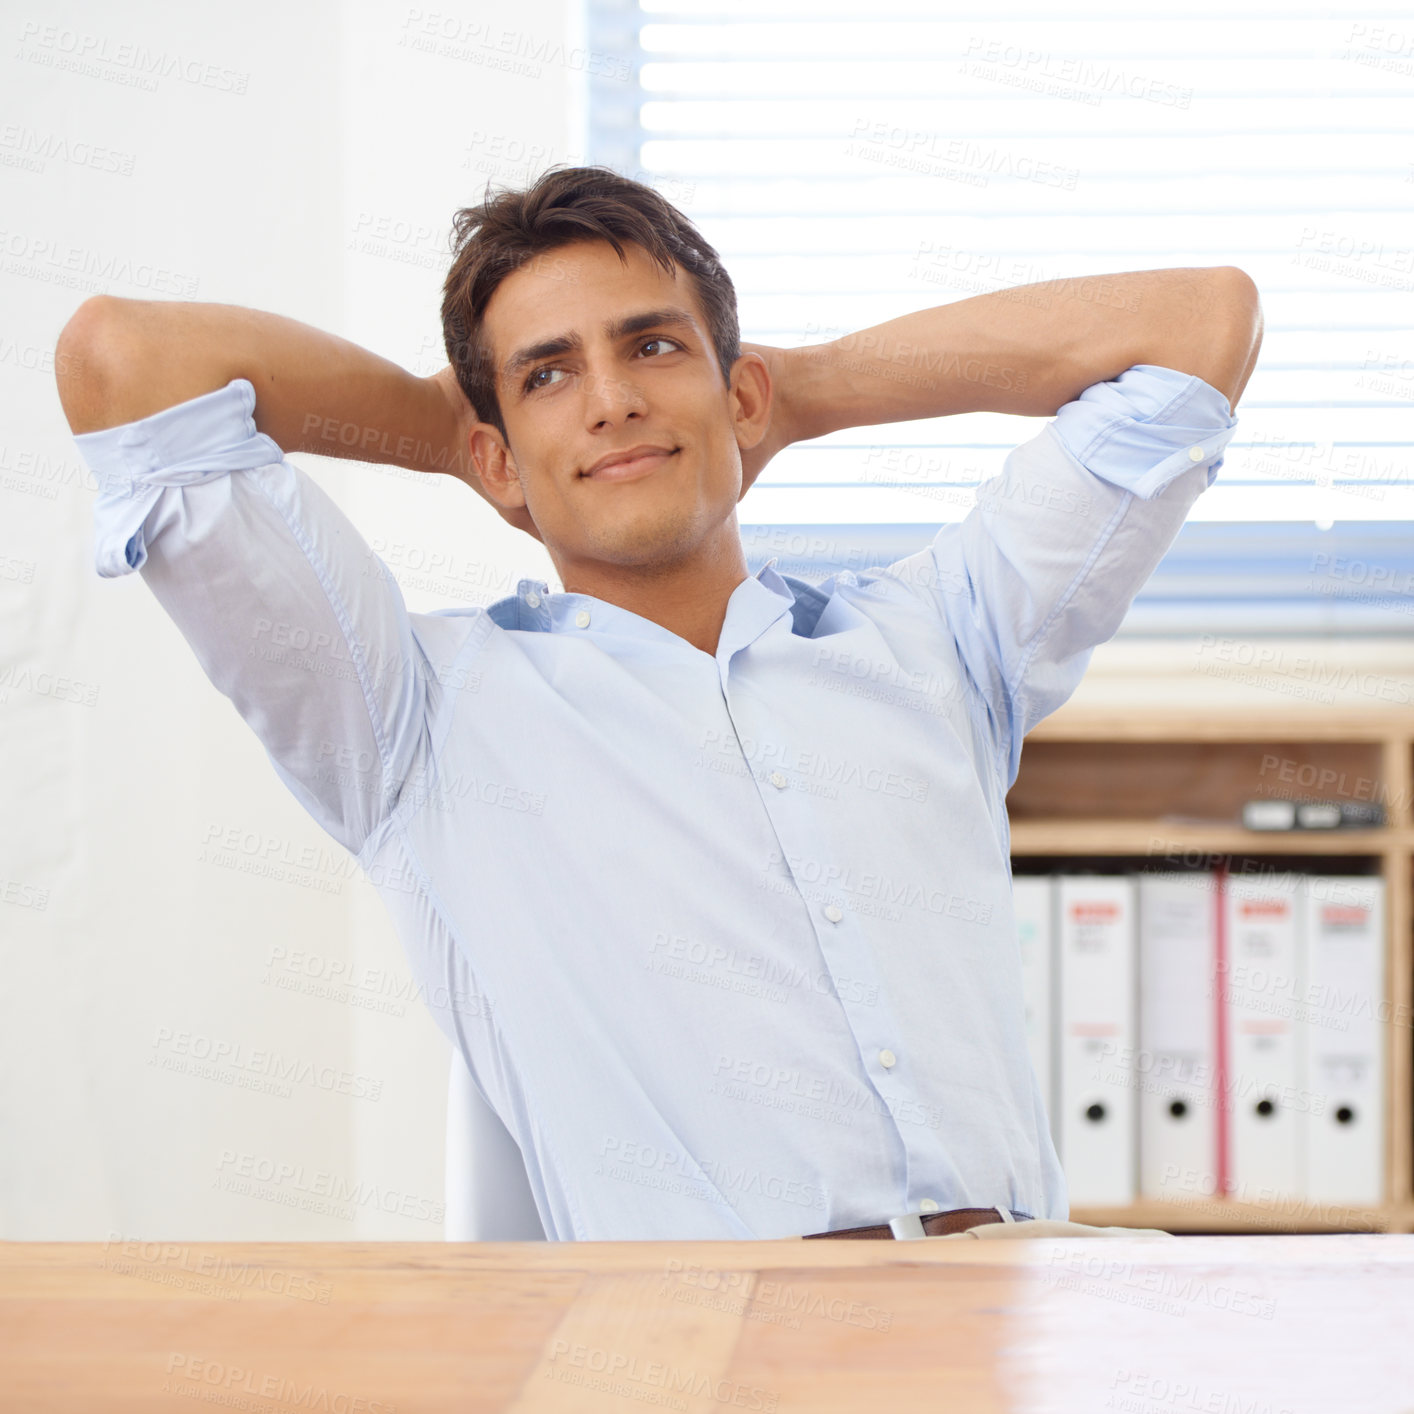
x,y
644,542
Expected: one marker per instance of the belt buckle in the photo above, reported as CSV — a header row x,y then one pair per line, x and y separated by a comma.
x,y
908,1225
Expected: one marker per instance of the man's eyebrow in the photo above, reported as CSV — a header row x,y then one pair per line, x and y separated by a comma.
x,y
669,317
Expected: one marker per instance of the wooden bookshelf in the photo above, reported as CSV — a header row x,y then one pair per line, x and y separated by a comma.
x,y
1163,789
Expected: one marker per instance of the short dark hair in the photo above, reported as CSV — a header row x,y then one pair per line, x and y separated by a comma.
x,y
563,206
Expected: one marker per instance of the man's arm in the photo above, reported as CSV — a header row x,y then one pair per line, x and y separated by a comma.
x,y
136,357
120,360
1027,350
288,610
1046,564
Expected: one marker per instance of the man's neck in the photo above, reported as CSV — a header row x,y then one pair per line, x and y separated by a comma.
x,y
688,598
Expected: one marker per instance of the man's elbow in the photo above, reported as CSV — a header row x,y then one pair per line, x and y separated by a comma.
x,y
1224,350
86,354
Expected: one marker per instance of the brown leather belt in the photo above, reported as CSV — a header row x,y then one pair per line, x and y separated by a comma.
x,y
924,1224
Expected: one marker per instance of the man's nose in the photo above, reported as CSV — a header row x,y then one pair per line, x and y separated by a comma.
x,y
611,398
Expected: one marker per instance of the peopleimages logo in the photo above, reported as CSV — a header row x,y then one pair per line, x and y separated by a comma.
x,y
878,887
829,771
98,56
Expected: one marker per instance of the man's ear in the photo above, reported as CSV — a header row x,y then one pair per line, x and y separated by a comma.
x,y
496,467
754,404
749,399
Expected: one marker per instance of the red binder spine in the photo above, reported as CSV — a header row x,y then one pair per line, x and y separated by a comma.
x,y
1220,1078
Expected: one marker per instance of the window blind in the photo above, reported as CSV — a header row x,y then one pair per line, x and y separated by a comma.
x,y
852,168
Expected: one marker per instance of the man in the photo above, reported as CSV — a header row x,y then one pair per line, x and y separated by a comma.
x,y
712,868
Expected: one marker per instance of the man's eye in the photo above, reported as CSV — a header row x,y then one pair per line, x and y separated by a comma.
x,y
531,384
658,339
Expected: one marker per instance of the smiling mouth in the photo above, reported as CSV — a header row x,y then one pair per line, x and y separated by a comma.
x,y
633,469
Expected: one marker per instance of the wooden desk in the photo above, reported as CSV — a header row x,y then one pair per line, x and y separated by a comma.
x,y
1211,1324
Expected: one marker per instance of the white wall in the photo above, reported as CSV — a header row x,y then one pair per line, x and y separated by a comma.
x,y
303,158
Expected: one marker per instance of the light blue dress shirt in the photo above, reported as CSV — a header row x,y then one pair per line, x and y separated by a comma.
x,y
725,939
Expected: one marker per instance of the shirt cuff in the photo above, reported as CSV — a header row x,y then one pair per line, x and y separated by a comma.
x,y
1146,427
185,445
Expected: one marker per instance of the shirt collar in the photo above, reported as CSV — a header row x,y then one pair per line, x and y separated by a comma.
x,y
756,604
768,576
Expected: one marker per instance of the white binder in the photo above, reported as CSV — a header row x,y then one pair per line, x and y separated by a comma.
x,y
1265,1073
1033,900
1179,1100
1095,1086
1344,937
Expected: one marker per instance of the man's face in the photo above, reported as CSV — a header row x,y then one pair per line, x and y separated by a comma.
x,y
595,358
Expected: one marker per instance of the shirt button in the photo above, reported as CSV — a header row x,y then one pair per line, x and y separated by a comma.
x,y
833,913
777,780
582,618
887,1059
928,1206
533,599
1196,454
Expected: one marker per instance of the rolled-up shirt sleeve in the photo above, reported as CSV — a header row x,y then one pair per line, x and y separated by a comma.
x,y
1045,566
288,610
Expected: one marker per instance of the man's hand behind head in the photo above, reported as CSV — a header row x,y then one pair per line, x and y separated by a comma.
x,y
463,467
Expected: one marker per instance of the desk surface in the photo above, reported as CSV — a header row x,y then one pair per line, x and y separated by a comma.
x,y
1211,1324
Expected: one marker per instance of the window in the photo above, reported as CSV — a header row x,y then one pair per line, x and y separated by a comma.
x,y
851,169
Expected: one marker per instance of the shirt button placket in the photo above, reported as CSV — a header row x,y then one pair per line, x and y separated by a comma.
x,y
835,915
